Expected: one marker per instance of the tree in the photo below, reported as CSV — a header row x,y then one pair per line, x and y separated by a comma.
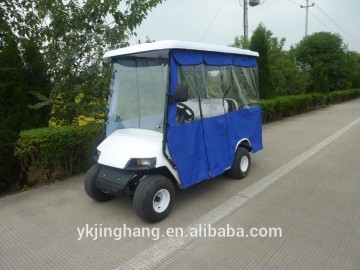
x,y
241,42
321,84
51,60
36,82
13,113
21,72
260,43
354,59
327,52
74,35
286,78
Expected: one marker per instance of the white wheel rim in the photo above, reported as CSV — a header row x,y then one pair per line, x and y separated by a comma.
x,y
244,163
161,200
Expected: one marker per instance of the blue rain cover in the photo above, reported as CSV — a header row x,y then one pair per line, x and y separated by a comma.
x,y
203,149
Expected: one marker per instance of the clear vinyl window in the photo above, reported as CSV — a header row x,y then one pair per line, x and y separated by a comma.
x,y
216,90
137,94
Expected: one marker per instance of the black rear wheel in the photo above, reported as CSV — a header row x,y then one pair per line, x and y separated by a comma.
x,y
242,163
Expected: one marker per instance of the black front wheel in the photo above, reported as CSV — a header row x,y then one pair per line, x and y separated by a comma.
x,y
241,165
154,198
90,185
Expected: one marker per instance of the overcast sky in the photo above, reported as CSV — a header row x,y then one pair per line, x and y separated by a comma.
x,y
219,21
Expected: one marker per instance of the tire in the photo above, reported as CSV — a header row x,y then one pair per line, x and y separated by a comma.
x,y
154,198
90,185
242,163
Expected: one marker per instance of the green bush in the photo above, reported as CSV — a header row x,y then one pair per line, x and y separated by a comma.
x,y
9,165
276,108
47,154
343,95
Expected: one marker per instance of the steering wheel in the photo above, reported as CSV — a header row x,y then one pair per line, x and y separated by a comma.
x,y
184,114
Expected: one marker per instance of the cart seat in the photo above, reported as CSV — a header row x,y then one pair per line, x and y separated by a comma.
x,y
211,107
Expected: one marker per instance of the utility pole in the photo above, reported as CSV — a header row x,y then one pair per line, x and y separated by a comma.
x,y
252,3
246,25
307,15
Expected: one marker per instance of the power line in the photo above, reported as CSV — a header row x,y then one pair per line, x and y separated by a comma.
x,y
337,25
350,38
332,30
296,3
321,22
213,20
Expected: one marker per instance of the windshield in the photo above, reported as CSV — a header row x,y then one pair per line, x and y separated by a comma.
x,y
137,94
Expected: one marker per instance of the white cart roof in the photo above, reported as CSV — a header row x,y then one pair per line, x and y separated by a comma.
x,y
162,48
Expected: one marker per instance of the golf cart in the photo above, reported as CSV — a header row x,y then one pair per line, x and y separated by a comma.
x,y
178,113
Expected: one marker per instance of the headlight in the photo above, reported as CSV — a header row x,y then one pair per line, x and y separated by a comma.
x,y
96,155
141,163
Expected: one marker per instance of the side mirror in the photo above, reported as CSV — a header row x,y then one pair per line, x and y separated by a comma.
x,y
181,93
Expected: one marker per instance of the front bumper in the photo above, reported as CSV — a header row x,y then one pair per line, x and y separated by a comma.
x,y
113,180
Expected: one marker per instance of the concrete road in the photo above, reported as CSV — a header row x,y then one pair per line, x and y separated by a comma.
x,y
306,182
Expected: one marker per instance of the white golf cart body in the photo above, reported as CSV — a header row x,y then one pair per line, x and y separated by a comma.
x,y
183,111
